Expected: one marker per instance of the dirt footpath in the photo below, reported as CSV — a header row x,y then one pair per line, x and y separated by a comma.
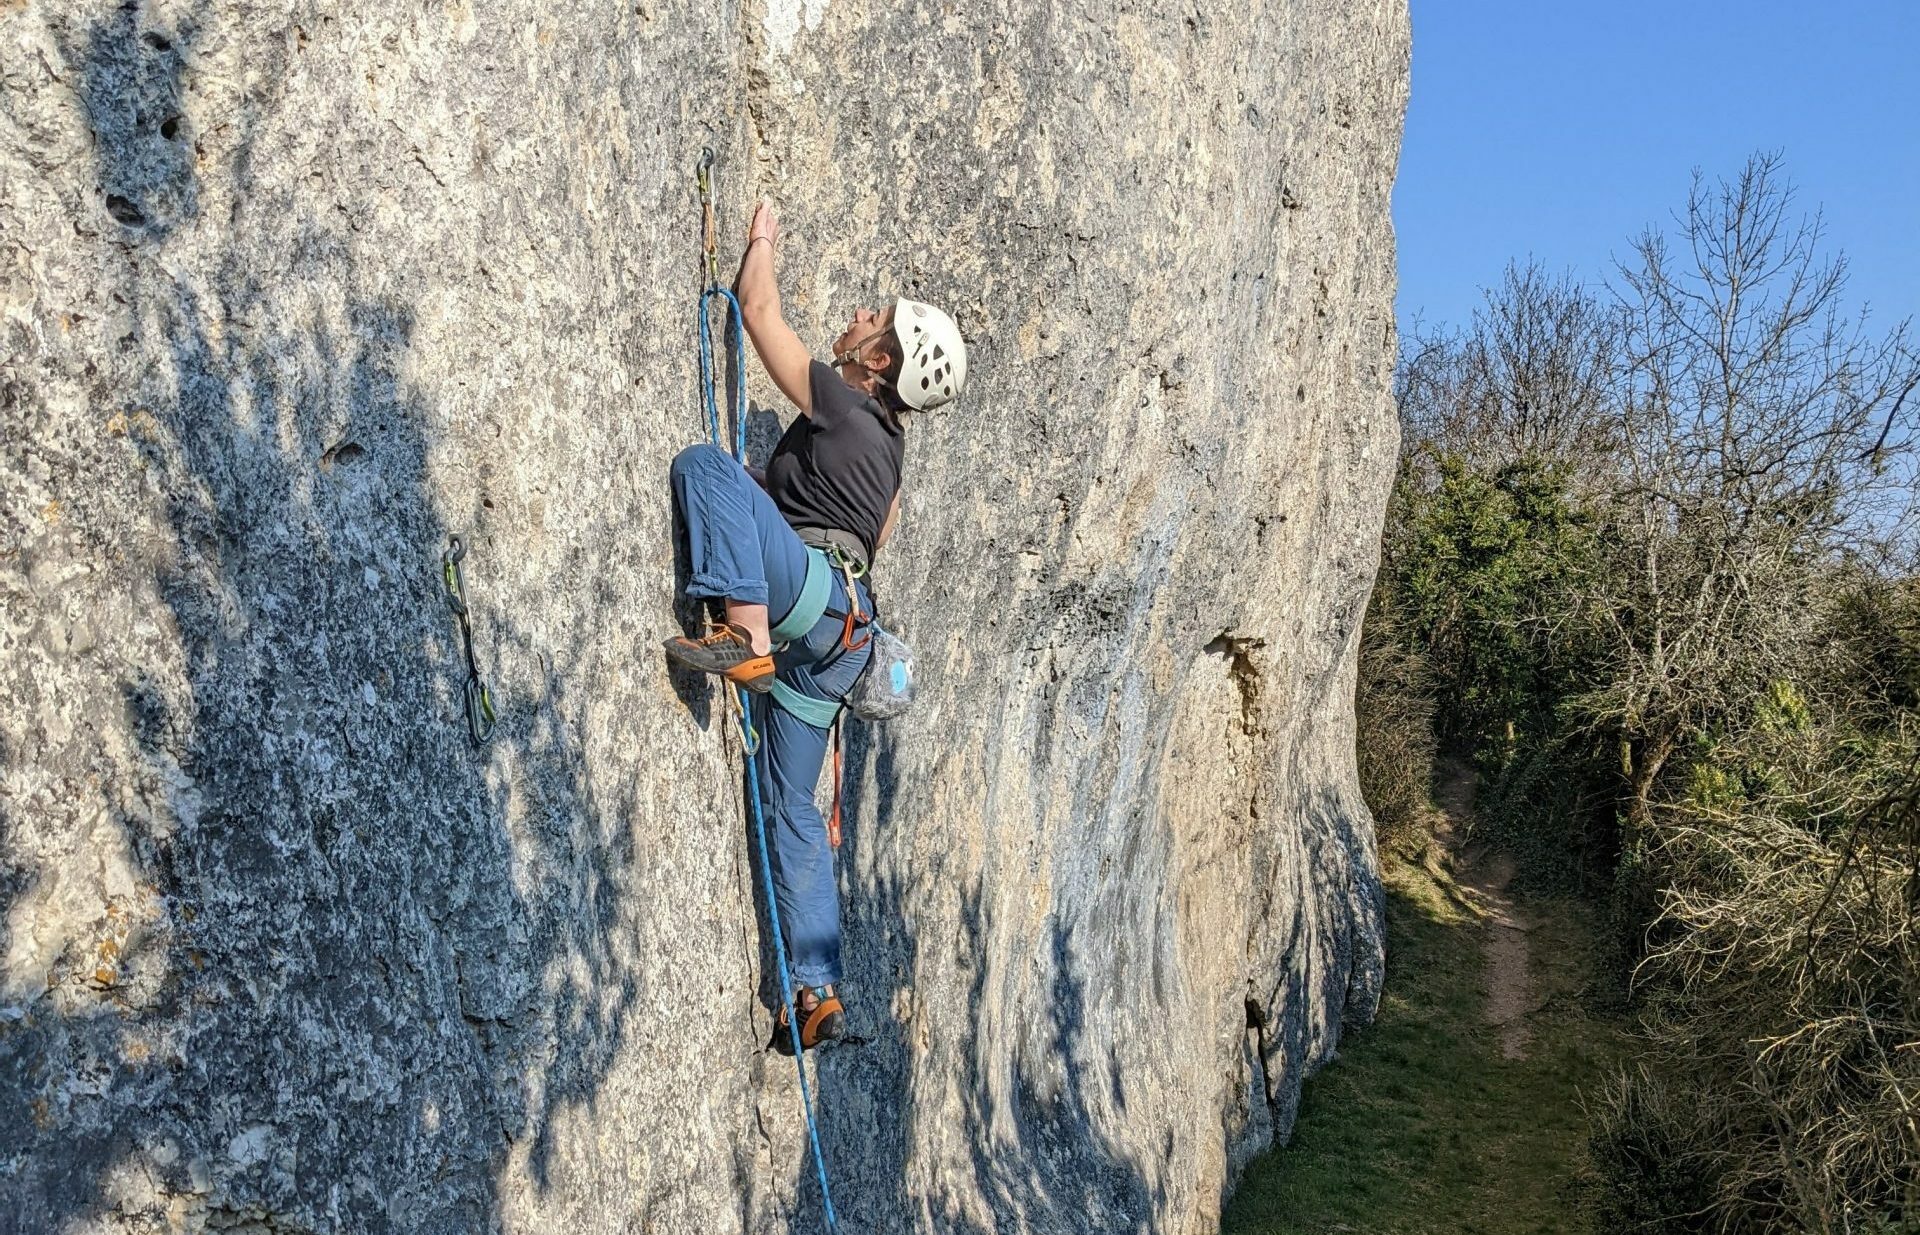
x,y
1483,875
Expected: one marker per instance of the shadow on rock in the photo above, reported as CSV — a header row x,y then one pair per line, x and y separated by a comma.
x,y
347,935
1037,1156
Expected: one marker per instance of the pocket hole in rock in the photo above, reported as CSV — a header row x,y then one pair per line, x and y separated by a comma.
x,y
170,127
345,452
155,40
124,211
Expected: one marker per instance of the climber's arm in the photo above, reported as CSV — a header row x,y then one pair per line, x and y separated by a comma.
x,y
781,352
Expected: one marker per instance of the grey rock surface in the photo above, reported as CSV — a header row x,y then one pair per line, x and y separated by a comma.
x,y
293,290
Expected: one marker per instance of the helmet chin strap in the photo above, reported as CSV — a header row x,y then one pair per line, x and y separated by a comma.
x,y
852,354
853,357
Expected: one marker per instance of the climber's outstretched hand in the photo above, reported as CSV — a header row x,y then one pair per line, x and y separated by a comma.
x,y
764,225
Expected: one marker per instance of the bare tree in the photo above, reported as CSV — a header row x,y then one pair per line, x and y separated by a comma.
x,y
1530,378
1761,431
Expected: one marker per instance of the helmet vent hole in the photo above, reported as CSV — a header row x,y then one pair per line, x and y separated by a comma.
x,y
925,382
938,351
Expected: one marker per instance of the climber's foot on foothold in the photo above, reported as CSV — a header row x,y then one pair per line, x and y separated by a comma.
x,y
822,1019
727,650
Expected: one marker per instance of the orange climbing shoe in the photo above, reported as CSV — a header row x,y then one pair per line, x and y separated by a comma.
x,y
824,1020
727,650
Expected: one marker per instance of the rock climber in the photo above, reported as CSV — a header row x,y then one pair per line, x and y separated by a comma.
x,y
832,484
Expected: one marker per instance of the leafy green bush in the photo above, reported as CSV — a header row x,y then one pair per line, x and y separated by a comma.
x,y
1654,554
1478,568
1480,557
1550,804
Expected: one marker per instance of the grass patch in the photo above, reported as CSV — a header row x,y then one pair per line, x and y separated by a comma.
x,y
1420,1125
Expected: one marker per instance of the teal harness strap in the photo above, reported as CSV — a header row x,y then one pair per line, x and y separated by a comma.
x,y
812,605
820,713
809,609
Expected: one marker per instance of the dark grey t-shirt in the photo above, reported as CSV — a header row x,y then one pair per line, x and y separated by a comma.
x,y
840,467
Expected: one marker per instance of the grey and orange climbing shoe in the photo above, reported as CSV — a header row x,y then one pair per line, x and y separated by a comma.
x,y
726,650
822,1019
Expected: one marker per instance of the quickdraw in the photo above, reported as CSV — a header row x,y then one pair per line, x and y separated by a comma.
x,y
710,238
710,247
479,699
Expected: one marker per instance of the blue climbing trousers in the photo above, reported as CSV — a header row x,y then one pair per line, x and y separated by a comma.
x,y
740,548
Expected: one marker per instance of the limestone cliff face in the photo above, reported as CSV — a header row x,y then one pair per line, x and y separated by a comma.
x,y
293,290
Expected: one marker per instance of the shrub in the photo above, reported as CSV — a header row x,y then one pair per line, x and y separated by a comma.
x,y
1648,1176
1784,977
1393,706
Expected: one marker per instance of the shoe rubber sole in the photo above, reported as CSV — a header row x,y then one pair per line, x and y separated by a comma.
x,y
755,673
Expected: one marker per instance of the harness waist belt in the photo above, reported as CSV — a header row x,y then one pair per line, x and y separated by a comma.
x,y
834,538
812,604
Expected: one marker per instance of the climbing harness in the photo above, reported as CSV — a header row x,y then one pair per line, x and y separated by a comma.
x,y
820,713
479,698
816,595
816,592
749,740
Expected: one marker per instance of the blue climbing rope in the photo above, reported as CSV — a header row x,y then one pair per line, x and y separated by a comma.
x,y
735,328
749,740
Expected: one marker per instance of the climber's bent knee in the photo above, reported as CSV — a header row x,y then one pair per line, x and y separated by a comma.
x,y
703,457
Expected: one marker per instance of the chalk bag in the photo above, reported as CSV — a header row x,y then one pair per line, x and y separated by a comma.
x,y
884,688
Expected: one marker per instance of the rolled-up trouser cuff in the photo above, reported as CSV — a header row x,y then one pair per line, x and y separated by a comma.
x,y
713,587
815,977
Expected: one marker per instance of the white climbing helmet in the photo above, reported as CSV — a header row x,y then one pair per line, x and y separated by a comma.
x,y
933,366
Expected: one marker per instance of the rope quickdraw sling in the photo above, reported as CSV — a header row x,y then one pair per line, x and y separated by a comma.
x,y
479,700
750,741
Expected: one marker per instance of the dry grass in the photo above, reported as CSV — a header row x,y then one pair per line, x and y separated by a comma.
x,y
1784,998
1393,708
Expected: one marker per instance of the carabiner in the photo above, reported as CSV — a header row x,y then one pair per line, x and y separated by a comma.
x,y
749,736
479,711
853,604
450,571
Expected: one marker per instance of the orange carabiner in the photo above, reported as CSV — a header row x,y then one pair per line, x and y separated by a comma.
x,y
853,611
847,639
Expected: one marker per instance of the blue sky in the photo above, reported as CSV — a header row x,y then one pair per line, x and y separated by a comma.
x,y
1560,129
